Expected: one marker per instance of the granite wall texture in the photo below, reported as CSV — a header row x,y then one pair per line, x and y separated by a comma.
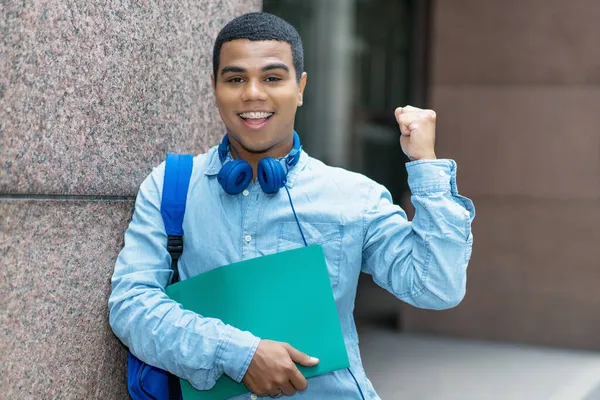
x,y
516,88
88,87
92,95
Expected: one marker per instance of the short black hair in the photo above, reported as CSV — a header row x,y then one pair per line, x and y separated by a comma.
x,y
258,26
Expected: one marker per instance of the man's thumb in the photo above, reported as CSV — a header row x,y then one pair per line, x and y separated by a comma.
x,y
301,358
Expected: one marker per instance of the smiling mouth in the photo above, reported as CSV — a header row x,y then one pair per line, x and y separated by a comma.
x,y
255,115
255,120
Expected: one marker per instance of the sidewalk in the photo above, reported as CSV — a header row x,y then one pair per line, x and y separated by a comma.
x,y
420,367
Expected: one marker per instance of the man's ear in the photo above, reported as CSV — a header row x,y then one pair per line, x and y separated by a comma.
x,y
212,81
301,86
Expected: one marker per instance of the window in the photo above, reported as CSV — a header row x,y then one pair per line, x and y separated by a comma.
x,y
364,58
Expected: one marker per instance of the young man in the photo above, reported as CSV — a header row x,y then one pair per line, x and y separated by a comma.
x,y
258,83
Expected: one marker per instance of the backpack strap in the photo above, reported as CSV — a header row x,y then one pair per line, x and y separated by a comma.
x,y
178,172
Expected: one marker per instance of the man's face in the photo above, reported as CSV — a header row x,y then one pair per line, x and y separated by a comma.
x,y
257,95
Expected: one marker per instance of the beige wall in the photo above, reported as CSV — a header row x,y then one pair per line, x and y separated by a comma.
x,y
516,87
91,97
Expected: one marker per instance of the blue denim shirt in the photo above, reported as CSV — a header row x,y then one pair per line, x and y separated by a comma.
x,y
422,262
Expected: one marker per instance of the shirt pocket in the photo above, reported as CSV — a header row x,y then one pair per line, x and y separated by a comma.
x,y
327,235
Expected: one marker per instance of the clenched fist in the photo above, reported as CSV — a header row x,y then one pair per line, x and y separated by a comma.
x,y
417,129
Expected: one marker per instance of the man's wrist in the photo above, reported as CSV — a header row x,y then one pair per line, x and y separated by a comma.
x,y
431,156
237,352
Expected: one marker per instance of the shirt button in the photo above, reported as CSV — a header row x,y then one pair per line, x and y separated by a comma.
x,y
442,173
253,396
248,238
246,192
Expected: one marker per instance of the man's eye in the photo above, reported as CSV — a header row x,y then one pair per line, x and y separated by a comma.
x,y
273,79
235,80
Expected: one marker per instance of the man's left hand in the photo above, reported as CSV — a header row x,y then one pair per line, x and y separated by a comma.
x,y
417,129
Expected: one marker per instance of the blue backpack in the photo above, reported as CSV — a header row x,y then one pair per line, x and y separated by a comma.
x,y
144,381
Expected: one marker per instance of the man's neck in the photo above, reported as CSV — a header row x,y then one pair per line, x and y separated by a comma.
x,y
253,159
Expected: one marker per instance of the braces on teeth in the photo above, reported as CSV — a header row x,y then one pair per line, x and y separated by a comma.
x,y
255,115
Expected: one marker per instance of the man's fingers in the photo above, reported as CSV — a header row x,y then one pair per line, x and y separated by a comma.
x,y
408,122
407,109
410,110
287,388
298,380
301,358
398,111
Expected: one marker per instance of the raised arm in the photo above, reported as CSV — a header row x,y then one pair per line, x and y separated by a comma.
x,y
423,261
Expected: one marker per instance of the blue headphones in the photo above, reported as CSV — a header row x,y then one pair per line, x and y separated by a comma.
x,y
235,176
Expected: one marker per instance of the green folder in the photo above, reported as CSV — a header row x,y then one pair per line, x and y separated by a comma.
x,y
286,297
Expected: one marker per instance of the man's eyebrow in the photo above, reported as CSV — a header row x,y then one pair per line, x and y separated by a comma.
x,y
230,68
276,66
240,70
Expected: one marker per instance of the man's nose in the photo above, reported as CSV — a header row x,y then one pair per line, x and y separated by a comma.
x,y
253,90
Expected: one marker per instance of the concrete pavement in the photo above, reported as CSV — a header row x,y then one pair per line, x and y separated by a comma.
x,y
420,367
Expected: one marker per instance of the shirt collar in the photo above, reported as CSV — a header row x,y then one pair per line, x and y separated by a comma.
x,y
214,165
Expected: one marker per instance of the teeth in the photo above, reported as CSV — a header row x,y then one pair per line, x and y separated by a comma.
x,y
255,115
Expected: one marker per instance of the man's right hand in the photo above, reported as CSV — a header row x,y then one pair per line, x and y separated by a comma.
x,y
272,369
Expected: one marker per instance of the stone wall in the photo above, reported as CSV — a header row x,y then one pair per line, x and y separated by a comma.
x,y
92,96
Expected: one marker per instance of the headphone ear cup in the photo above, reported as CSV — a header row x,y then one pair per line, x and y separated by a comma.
x,y
271,175
235,176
